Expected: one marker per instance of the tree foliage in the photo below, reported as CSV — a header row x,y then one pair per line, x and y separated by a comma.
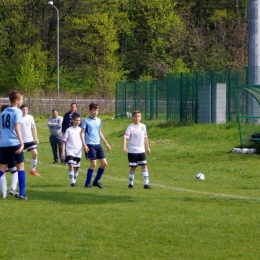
x,y
105,41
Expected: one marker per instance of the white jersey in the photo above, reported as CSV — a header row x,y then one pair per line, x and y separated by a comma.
x,y
27,124
73,142
136,135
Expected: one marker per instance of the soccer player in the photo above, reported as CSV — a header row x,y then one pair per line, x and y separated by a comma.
x,y
90,135
73,144
27,127
14,174
137,140
11,143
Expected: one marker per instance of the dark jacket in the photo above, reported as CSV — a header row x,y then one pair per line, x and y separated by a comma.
x,y
67,121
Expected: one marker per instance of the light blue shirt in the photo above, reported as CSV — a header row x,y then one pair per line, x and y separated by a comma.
x,y
92,128
9,117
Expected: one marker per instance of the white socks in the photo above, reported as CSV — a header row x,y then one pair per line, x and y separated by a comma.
x,y
34,163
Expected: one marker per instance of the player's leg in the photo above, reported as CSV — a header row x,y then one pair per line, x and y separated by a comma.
x,y
19,159
3,185
132,161
32,147
76,168
5,158
14,180
34,162
92,157
103,163
89,173
70,162
143,163
100,172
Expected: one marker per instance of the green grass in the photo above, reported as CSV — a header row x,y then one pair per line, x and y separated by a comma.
x,y
180,218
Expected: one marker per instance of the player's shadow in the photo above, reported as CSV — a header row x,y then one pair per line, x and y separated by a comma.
x,y
79,197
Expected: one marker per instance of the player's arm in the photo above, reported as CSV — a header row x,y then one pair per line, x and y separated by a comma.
x,y
147,145
104,140
82,137
124,145
34,130
63,149
17,128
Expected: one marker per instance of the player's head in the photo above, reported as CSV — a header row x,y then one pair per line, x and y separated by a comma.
x,y
75,119
93,110
16,98
136,115
24,109
136,112
3,107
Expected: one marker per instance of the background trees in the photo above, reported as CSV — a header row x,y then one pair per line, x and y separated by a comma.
x,y
104,41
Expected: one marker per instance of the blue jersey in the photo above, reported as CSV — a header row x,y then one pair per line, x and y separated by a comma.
x,y
92,128
9,117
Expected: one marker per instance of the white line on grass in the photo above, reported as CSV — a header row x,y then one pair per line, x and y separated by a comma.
x,y
192,191
176,188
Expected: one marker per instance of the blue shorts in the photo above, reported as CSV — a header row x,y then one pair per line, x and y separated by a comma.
x,y
8,155
136,159
95,152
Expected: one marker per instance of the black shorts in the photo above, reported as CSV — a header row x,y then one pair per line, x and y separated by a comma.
x,y
30,146
95,152
136,159
73,160
8,155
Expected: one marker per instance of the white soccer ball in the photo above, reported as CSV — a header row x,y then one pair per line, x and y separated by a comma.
x,y
252,150
236,150
245,150
200,176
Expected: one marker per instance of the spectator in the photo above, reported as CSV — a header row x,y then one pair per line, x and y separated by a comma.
x,y
67,118
55,124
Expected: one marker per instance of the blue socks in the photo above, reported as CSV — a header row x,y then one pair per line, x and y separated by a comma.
x,y
89,176
22,182
99,174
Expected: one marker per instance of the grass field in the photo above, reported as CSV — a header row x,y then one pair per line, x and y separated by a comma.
x,y
180,218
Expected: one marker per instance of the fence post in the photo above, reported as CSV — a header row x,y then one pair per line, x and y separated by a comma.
x,y
124,99
211,86
152,99
196,96
229,94
181,97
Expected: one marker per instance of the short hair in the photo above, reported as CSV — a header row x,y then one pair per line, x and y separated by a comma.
x,y
136,112
54,110
75,115
3,107
93,106
24,105
73,103
15,94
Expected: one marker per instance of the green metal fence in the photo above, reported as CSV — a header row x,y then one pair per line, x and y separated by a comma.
x,y
176,97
